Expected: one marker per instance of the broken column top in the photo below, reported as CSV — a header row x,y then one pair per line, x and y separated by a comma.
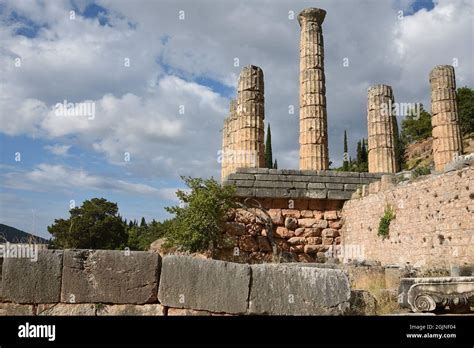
x,y
312,15
441,70
251,78
380,90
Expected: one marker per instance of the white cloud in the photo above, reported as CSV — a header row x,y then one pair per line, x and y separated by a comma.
x,y
46,177
58,150
137,107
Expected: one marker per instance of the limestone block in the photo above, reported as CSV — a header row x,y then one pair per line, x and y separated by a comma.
x,y
211,285
27,281
110,276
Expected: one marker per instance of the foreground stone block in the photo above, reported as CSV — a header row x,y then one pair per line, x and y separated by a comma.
x,y
279,289
82,309
211,285
26,281
16,309
428,294
132,310
110,276
362,303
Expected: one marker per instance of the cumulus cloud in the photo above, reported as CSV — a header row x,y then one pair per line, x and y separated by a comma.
x,y
171,61
45,177
58,149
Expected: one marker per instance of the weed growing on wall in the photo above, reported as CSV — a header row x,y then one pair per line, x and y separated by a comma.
x,y
385,220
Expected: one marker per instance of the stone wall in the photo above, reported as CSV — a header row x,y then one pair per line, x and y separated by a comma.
x,y
304,208
99,282
433,227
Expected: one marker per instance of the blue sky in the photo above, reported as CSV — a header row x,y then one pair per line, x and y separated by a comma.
x,y
175,63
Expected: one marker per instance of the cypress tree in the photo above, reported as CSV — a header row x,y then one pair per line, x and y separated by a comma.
x,y
275,164
143,222
345,163
268,149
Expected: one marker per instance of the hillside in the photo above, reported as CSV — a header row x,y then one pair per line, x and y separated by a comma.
x,y
420,154
14,235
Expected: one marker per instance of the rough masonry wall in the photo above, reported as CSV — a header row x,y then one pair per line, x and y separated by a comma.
x,y
434,224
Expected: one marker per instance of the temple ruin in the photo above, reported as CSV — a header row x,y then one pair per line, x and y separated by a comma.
x,y
447,140
382,130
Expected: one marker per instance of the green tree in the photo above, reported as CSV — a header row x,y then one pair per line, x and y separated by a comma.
x,y
275,164
465,96
345,162
416,127
197,223
94,225
143,222
268,149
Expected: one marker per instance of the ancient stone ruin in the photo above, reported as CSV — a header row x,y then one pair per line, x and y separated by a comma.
x,y
315,215
313,117
382,129
447,140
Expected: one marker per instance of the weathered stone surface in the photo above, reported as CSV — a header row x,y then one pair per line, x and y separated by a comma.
x,y
66,309
234,228
291,223
276,215
362,303
283,232
9,309
426,294
296,240
447,137
110,276
26,281
248,243
131,310
307,222
210,285
278,289
172,312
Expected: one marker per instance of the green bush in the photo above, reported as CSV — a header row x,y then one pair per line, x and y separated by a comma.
x,y
198,220
419,171
385,220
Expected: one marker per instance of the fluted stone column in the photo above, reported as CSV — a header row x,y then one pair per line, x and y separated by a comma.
x,y
313,119
382,130
447,137
249,128
228,140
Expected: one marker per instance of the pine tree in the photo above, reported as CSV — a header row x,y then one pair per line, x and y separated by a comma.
x,y
345,163
268,149
143,222
275,164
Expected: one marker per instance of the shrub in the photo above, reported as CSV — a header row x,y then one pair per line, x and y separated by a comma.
x,y
198,220
419,171
385,220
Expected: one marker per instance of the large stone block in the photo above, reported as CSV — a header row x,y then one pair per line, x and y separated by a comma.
x,y
27,281
201,284
279,289
110,276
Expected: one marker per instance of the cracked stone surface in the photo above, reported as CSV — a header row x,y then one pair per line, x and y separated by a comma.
x,y
200,284
110,276
279,289
26,281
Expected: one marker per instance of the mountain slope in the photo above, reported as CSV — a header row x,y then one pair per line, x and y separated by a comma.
x,y
14,235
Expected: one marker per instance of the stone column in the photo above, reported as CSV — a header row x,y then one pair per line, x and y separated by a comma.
x,y
313,119
382,130
228,139
447,137
250,113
